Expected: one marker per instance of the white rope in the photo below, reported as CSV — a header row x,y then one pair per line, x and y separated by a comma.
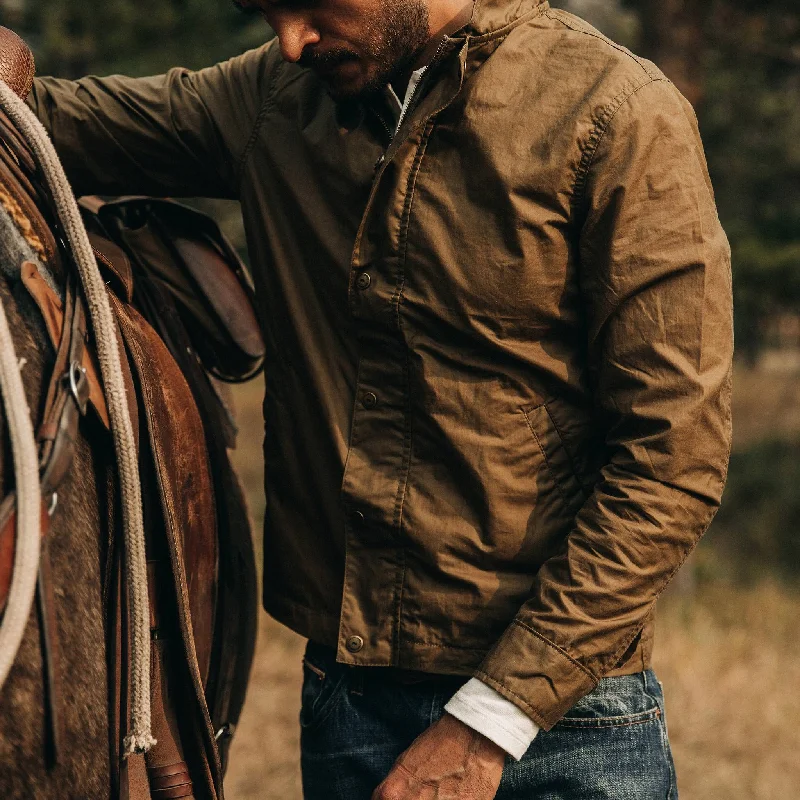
x,y
28,510
139,738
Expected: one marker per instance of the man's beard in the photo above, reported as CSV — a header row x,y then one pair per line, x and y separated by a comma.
x,y
389,43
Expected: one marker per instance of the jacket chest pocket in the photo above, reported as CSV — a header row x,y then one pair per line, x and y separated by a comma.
x,y
559,476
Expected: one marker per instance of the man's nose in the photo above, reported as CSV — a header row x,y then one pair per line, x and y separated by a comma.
x,y
293,36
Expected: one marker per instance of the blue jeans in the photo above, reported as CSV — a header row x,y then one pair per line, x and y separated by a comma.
x,y
356,721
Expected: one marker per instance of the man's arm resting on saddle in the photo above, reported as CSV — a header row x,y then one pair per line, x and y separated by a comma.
x,y
655,268
180,134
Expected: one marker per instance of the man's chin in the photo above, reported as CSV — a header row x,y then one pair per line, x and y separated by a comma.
x,y
348,83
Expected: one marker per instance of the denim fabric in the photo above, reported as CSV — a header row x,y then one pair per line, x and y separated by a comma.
x,y
356,721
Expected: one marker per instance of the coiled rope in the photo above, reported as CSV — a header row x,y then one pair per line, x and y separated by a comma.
x,y
28,509
139,738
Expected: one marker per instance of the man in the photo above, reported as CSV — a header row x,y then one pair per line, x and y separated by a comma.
x,y
496,298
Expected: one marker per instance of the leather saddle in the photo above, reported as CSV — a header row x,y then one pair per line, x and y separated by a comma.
x,y
184,309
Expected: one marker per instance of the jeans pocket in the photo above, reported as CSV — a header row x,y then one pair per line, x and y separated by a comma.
x,y
615,703
323,685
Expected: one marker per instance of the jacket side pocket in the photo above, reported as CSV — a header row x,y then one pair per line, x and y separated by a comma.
x,y
555,455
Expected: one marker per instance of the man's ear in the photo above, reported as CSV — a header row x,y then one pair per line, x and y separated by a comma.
x,y
17,67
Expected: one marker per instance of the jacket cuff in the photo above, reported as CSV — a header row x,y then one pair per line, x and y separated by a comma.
x,y
535,674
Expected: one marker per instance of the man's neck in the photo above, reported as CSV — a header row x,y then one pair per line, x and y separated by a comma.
x,y
446,17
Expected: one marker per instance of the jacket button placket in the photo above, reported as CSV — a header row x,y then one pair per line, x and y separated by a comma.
x,y
372,485
377,464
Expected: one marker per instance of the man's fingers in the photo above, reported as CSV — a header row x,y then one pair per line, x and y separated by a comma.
x,y
403,785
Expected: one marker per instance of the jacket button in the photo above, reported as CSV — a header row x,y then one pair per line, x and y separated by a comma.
x,y
370,400
363,281
358,518
355,643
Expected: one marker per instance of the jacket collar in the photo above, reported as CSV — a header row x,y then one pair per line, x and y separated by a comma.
x,y
490,16
490,20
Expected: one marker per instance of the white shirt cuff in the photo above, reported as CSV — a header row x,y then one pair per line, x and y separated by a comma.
x,y
499,720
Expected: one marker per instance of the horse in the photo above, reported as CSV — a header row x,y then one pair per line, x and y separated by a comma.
x,y
136,639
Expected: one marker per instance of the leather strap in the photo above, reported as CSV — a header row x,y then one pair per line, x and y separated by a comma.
x,y
52,311
66,399
171,792
46,606
166,768
170,781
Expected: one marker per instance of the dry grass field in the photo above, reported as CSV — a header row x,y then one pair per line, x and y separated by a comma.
x,y
729,658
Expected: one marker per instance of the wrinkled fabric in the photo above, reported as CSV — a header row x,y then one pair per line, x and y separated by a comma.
x,y
499,343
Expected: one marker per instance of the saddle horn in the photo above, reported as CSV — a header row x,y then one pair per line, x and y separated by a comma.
x,y
17,67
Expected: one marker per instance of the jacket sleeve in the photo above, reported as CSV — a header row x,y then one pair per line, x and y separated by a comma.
x,y
182,134
656,285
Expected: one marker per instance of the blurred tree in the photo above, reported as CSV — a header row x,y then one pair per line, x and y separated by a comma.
x,y
609,16
672,35
75,37
738,62
756,528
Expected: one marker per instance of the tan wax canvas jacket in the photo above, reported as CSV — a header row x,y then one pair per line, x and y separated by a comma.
x,y
497,405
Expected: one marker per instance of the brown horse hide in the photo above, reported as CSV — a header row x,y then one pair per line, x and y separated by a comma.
x,y
64,708
79,540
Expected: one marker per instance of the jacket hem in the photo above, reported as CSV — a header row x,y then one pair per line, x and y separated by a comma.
x,y
519,676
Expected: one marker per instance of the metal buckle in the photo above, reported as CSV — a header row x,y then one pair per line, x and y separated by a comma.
x,y
78,385
226,731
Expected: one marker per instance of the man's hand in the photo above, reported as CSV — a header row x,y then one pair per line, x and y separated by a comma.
x,y
450,761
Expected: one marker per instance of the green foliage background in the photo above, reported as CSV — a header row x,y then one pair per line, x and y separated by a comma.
x,y
71,38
